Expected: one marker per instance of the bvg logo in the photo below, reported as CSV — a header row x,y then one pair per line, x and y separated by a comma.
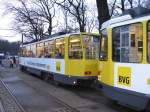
x,y
124,79
124,76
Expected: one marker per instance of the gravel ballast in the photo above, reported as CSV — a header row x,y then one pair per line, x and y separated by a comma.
x,y
8,103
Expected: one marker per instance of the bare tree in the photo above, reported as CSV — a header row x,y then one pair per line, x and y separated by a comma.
x,y
26,20
77,9
46,10
147,4
92,20
117,7
131,3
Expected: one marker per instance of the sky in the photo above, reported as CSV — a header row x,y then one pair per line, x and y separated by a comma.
x,y
5,25
6,22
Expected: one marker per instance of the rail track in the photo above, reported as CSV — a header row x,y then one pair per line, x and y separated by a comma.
x,y
67,99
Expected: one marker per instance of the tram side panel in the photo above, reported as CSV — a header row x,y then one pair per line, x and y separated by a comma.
x,y
127,79
49,65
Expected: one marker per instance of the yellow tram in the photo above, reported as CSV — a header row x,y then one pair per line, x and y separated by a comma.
x,y
69,58
124,66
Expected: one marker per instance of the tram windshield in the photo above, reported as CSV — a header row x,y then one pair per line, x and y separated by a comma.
x,y
75,47
91,45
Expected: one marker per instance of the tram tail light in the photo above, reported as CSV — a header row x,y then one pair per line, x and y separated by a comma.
x,y
87,72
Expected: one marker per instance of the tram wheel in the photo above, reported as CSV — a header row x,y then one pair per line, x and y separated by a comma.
x,y
44,77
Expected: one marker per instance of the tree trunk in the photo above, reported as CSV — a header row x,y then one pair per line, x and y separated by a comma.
x,y
50,28
103,11
122,5
82,28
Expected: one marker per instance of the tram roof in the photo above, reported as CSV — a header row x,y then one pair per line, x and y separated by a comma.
x,y
57,37
127,19
137,14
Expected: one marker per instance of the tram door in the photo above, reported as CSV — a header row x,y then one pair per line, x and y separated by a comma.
x,y
105,63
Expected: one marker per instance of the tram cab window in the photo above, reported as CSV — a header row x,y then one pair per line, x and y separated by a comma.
x,y
104,46
49,49
60,48
91,45
128,43
75,47
33,50
40,50
148,40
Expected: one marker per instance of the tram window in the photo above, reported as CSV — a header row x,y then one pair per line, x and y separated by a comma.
x,y
75,47
49,49
104,46
60,48
28,51
46,53
128,43
33,50
23,51
148,40
132,40
40,50
91,45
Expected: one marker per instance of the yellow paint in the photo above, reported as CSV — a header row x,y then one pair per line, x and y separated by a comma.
x,y
58,66
106,68
148,81
145,42
124,76
78,67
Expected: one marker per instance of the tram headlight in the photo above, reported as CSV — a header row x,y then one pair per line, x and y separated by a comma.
x,y
74,82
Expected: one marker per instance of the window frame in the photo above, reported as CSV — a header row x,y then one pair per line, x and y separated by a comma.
x,y
147,24
39,46
21,49
130,41
101,43
47,46
28,46
31,45
92,35
81,43
55,47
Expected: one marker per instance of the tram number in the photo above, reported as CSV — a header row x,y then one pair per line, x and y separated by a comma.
x,y
124,76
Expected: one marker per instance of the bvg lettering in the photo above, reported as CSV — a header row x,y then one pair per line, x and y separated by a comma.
x,y
124,79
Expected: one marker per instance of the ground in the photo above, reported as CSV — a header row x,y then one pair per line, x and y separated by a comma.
x,y
36,95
